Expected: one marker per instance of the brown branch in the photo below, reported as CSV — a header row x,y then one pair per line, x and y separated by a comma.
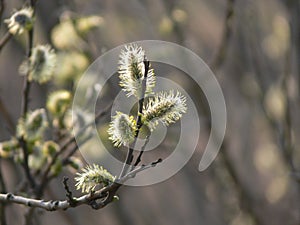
x,y
64,147
227,33
4,40
66,160
24,106
139,158
7,117
106,193
244,196
2,182
2,7
69,194
24,109
282,130
3,190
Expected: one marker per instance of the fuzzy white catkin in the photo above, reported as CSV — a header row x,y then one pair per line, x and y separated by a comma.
x,y
41,65
91,177
122,129
20,21
132,71
165,107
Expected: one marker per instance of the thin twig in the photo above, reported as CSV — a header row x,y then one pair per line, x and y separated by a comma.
x,y
69,194
7,117
129,156
2,182
24,107
4,40
2,190
66,160
65,146
139,158
2,7
245,199
282,131
288,145
227,33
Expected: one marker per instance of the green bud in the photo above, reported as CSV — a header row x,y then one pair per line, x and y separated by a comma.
x,y
33,125
50,148
58,102
10,145
86,24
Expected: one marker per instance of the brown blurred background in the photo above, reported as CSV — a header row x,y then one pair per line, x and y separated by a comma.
x,y
252,46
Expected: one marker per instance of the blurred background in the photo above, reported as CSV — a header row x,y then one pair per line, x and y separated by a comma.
x,y
253,48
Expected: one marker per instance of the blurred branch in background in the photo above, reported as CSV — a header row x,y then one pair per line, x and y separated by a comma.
x,y
2,190
2,7
7,117
293,8
225,40
4,40
245,199
279,115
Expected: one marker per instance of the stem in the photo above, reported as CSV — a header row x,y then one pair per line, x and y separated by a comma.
x,y
7,36
25,102
129,156
24,109
139,158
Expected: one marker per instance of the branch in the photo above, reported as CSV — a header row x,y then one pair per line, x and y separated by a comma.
x,y
24,109
69,194
7,117
221,53
139,158
64,147
129,156
7,36
2,183
245,198
2,7
2,189
88,199
72,151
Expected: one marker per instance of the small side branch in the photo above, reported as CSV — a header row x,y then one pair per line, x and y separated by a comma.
x,y
69,194
139,158
64,147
